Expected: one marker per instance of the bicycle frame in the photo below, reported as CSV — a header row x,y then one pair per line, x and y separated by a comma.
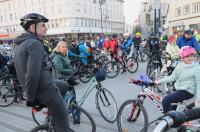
x,y
156,99
93,83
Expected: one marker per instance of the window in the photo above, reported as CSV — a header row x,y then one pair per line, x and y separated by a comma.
x,y
1,18
10,17
186,10
178,12
196,7
81,21
77,22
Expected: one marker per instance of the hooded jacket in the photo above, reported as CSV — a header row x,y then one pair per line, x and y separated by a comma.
x,y
31,66
182,41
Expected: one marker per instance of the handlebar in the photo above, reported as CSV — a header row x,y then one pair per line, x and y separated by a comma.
x,y
176,118
142,83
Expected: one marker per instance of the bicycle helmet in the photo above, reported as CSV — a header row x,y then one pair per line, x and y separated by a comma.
x,y
138,34
32,18
186,50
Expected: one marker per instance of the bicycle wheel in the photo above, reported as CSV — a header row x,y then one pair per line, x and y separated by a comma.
x,y
132,65
163,54
87,123
39,116
112,69
106,105
41,128
142,57
86,74
131,117
7,93
149,69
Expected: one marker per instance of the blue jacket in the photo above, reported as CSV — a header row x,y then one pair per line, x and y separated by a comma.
x,y
83,50
126,43
181,41
71,54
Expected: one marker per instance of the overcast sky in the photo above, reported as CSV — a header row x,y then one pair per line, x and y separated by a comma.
x,y
131,10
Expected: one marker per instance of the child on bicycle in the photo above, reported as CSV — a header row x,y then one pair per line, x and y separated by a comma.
x,y
187,77
173,53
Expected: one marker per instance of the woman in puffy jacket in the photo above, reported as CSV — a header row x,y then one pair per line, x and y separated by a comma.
x,y
62,64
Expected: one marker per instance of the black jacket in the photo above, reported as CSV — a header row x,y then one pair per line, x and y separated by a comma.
x,y
31,66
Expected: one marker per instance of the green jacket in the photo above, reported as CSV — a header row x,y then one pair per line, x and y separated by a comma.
x,y
62,66
186,77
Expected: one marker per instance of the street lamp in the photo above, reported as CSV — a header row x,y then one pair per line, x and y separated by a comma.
x,y
101,2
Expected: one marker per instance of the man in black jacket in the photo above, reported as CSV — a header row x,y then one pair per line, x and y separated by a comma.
x,y
33,72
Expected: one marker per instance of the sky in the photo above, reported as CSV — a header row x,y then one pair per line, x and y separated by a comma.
x,y
131,10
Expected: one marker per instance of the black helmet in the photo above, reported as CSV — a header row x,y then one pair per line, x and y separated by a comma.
x,y
32,18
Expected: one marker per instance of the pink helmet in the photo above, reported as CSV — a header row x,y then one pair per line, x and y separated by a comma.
x,y
186,50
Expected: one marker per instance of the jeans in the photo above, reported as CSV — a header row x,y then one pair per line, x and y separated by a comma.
x,y
177,96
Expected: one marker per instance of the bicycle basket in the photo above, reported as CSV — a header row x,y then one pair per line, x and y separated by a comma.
x,y
100,75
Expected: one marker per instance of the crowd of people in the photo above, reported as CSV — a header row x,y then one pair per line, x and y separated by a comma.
x,y
32,54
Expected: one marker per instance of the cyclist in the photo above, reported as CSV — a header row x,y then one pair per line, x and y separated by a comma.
x,y
33,72
163,39
179,34
197,36
65,71
137,41
84,50
187,80
154,47
126,48
114,46
188,40
173,51
106,44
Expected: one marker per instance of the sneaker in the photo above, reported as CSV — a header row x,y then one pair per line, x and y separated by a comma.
x,y
76,120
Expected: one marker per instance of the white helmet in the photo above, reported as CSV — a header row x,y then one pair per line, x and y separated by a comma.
x,y
126,34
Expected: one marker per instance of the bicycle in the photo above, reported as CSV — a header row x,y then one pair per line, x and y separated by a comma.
x,y
104,100
10,89
114,66
169,87
139,54
87,121
135,109
176,119
154,66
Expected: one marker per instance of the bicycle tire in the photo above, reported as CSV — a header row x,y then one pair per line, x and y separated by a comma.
x,y
112,64
163,53
10,93
41,127
149,68
85,75
104,92
144,57
135,65
140,109
82,111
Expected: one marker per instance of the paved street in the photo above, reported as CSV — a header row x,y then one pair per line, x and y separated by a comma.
x,y
17,118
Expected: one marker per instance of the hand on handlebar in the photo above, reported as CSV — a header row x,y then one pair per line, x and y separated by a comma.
x,y
157,82
197,103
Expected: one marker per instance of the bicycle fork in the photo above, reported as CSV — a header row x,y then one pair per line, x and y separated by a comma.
x,y
104,98
136,109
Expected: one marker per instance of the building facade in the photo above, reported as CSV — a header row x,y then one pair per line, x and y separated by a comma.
x,y
183,15
70,17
